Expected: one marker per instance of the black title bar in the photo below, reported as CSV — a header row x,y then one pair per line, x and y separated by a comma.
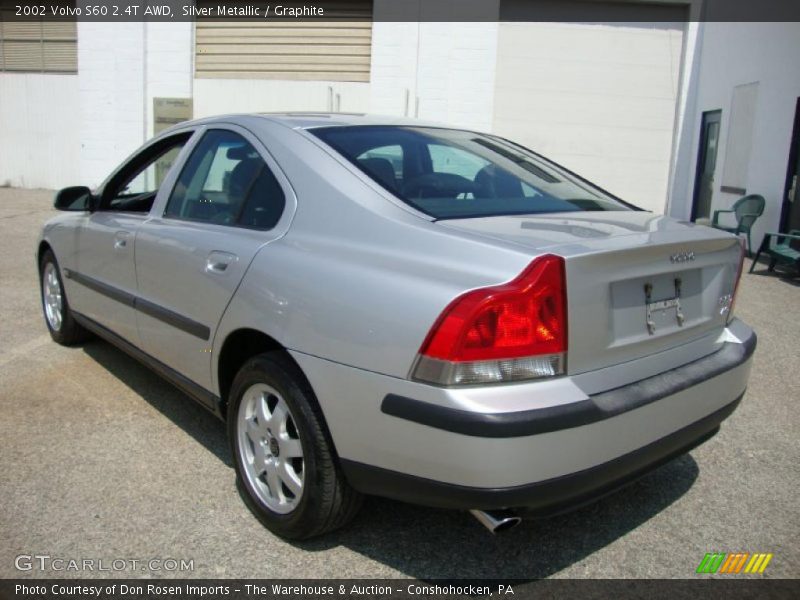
x,y
406,10
391,589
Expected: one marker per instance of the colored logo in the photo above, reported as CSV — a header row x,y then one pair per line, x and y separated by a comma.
x,y
734,562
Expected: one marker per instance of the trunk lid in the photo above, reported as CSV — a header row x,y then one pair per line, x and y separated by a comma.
x,y
637,283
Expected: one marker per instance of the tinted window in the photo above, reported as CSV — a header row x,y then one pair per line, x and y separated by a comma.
x,y
448,173
150,178
225,181
447,159
385,164
135,187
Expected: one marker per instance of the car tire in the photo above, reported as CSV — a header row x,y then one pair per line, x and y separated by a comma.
x,y
286,467
57,314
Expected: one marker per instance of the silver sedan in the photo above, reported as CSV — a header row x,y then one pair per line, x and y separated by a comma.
x,y
389,307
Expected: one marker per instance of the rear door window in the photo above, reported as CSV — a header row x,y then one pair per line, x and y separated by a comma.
x,y
226,182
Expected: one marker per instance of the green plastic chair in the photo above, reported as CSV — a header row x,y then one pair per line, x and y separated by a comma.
x,y
779,250
746,211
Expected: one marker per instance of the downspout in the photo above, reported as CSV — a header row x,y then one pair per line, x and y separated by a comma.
x,y
144,82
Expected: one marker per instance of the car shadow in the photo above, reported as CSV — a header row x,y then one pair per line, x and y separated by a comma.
x,y
428,543
179,408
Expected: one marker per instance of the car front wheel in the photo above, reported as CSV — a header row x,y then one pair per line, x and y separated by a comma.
x,y
283,454
57,314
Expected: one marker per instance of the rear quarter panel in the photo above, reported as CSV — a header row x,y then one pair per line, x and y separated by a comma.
x,y
357,279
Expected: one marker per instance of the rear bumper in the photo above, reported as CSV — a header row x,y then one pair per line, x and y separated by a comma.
x,y
542,498
545,446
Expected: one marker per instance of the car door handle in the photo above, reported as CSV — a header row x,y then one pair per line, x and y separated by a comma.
x,y
121,240
218,262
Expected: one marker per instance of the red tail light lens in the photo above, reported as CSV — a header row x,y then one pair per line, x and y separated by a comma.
x,y
742,253
491,334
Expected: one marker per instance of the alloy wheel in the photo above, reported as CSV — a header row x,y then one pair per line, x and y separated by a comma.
x,y
270,449
53,297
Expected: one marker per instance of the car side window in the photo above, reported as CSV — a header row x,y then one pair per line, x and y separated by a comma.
x,y
135,187
225,181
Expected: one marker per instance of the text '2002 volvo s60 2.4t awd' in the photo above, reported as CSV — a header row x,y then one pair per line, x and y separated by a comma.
x,y
379,306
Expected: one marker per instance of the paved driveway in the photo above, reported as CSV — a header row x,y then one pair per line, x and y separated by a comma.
x,y
99,458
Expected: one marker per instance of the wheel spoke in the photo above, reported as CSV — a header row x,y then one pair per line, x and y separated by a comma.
x,y
291,448
259,460
274,481
255,432
290,477
279,414
262,411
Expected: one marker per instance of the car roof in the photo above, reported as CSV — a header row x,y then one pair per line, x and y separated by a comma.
x,y
307,120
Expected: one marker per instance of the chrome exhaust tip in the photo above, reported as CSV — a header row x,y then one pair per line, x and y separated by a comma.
x,y
496,520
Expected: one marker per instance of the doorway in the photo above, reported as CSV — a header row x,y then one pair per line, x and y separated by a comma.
x,y
706,163
790,213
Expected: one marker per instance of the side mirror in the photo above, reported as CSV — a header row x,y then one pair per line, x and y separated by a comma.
x,y
76,198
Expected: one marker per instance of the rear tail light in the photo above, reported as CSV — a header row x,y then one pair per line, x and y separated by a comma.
x,y
509,332
742,252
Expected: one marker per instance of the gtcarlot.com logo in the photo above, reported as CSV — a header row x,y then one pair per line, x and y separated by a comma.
x,y
731,563
45,562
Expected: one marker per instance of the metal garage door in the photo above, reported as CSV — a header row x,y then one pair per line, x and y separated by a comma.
x,y
598,97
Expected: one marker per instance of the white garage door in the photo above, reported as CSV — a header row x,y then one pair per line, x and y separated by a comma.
x,y
598,98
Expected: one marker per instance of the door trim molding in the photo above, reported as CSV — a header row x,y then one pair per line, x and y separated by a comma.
x,y
172,318
146,307
109,291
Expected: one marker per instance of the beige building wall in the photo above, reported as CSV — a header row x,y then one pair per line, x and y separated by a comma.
x,y
39,138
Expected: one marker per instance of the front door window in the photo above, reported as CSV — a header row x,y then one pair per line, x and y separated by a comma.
x,y
134,188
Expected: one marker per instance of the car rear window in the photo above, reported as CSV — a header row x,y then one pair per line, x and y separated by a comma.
x,y
454,174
